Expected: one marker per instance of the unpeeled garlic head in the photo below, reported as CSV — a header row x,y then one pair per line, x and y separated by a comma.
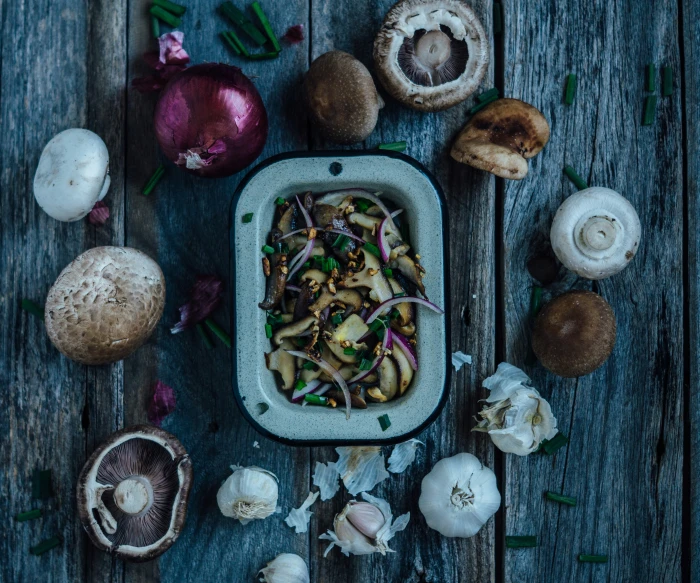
x,y
286,568
248,494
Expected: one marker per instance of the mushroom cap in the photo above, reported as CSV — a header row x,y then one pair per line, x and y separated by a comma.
x,y
137,454
501,137
342,99
105,304
596,233
437,83
72,175
574,334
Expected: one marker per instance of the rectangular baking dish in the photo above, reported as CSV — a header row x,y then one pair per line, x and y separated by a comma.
x,y
407,184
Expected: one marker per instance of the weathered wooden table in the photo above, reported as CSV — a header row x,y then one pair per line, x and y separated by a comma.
x,y
633,424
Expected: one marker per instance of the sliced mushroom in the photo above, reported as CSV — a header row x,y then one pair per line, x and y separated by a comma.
x,y
364,221
410,270
388,378
345,372
281,361
431,54
405,309
372,277
356,401
404,368
304,300
348,331
307,375
294,329
277,280
288,220
345,297
314,275
132,493
407,330
374,394
501,138
330,217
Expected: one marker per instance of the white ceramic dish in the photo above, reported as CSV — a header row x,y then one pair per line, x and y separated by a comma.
x,y
408,185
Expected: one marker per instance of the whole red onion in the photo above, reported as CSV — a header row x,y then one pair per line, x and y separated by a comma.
x,y
210,120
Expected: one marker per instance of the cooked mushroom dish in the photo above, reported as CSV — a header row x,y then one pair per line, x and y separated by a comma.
x,y
342,286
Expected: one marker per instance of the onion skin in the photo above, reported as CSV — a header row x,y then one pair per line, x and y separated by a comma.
x,y
209,104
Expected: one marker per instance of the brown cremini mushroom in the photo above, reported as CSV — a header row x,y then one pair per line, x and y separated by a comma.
x,y
342,99
105,304
431,54
132,493
574,334
501,137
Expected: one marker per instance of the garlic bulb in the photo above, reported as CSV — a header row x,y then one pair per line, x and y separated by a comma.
x,y
363,528
458,496
518,418
248,493
286,568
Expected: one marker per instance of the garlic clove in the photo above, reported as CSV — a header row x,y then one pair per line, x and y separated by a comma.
x,y
350,539
367,518
286,568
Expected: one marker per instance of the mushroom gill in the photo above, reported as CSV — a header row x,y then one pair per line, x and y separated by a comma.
x,y
433,58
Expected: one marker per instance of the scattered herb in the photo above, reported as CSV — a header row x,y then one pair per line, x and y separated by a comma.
x,y
394,314
579,182
365,364
205,297
99,214
33,308
171,7
393,146
388,272
263,56
552,445
570,91
593,558
362,204
205,337
248,217
230,42
155,26
267,249
241,20
667,81
373,249
294,34
265,23
378,324
384,421
341,241
274,319
299,385
42,487
521,542
568,500
268,331
535,301
233,37
153,180
46,545
649,110
651,77
497,18
308,365
337,318
220,334
399,294
487,95
29,515
279,201
315,399
480,106
162,403
349,350
165,16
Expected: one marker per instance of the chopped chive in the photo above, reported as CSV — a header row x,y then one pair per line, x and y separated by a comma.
x,y
341,241
337,319
557,442
153,180
300,342
487,95
267,249
308,365
579,182
349,350
394,314
480,106
248,217
568,500
279,201
204,336
651,77
307,265
29,515
220,333
649,110
388,272
521,542
232,45
155,26
365,364
497,18
263,56
265,23
667,81
393,146
233,37
171,7
570,91
274,319
373,249
315,399
399,294
33,308
535,301
240,19
268,330
299,385
593,558
165,16
41,484
363,204
46,545
384,422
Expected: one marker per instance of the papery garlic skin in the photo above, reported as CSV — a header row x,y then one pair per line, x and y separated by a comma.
x,y
518,419
286,568
248,494
458,496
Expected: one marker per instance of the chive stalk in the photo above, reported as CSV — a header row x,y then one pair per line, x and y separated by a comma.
x,y
268,331
265,23
153,180
667,81
570,91
299,385
241,20
155,27
389,272
46,545
593,558
29,515
267,249
480,106
220,333
279,201
248,217
373,249
521,542
384,421
487,95
554,497
171,7
337,319
165,16
651,77
263,56
571,174
535,301
312,399
649,110
393,146
233,37
41,484
205,337
556,443
308,365
232,45
349,350
33,308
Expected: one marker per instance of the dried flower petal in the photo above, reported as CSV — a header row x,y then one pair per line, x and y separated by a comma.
x,y
99,214
298,518
162,403
295,34
206,297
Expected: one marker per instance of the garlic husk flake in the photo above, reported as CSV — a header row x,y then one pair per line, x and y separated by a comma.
x,y
326,479
403,455
298,518
361,468
286,568
248,494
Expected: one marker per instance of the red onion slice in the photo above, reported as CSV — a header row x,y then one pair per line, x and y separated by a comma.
x,y
386,345
292,288
351,235
301,258
384,306
304,212
382,243
339,380
294,233
309,388
405,346
376,200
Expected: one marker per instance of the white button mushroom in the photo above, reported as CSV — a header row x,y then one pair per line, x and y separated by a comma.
x,y
72,175
595,233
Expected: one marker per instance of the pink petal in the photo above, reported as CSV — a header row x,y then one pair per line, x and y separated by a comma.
x,y
295,34
99,214
171,51
206,297
162,403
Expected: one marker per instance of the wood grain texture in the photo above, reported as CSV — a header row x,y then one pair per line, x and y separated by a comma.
x,y
422,555
625,421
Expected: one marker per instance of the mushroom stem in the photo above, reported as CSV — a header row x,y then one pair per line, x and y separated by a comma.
x,y
134,496
433,49
598,233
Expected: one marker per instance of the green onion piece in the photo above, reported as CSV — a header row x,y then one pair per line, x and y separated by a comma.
x,y
337,318
378,324
308,365
267,249
487,95
593,558
394,314
171,7
363,204
388,272
570,91
268,330
393,146
153,180
649,110
315,399
557,442
365,364
281,247
307,265
46,545
535,301
155,26
220,333
480,106
233,37
29,515
41,484
279,201
248,218
579,182
299,385
165,16
497,18
651,77
300,342
274,319
33,308
265,23
399,294
231,44
568,500
667,81
384,422
263,56
205,337
240,19
373,249
340,241
349,350
521,542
